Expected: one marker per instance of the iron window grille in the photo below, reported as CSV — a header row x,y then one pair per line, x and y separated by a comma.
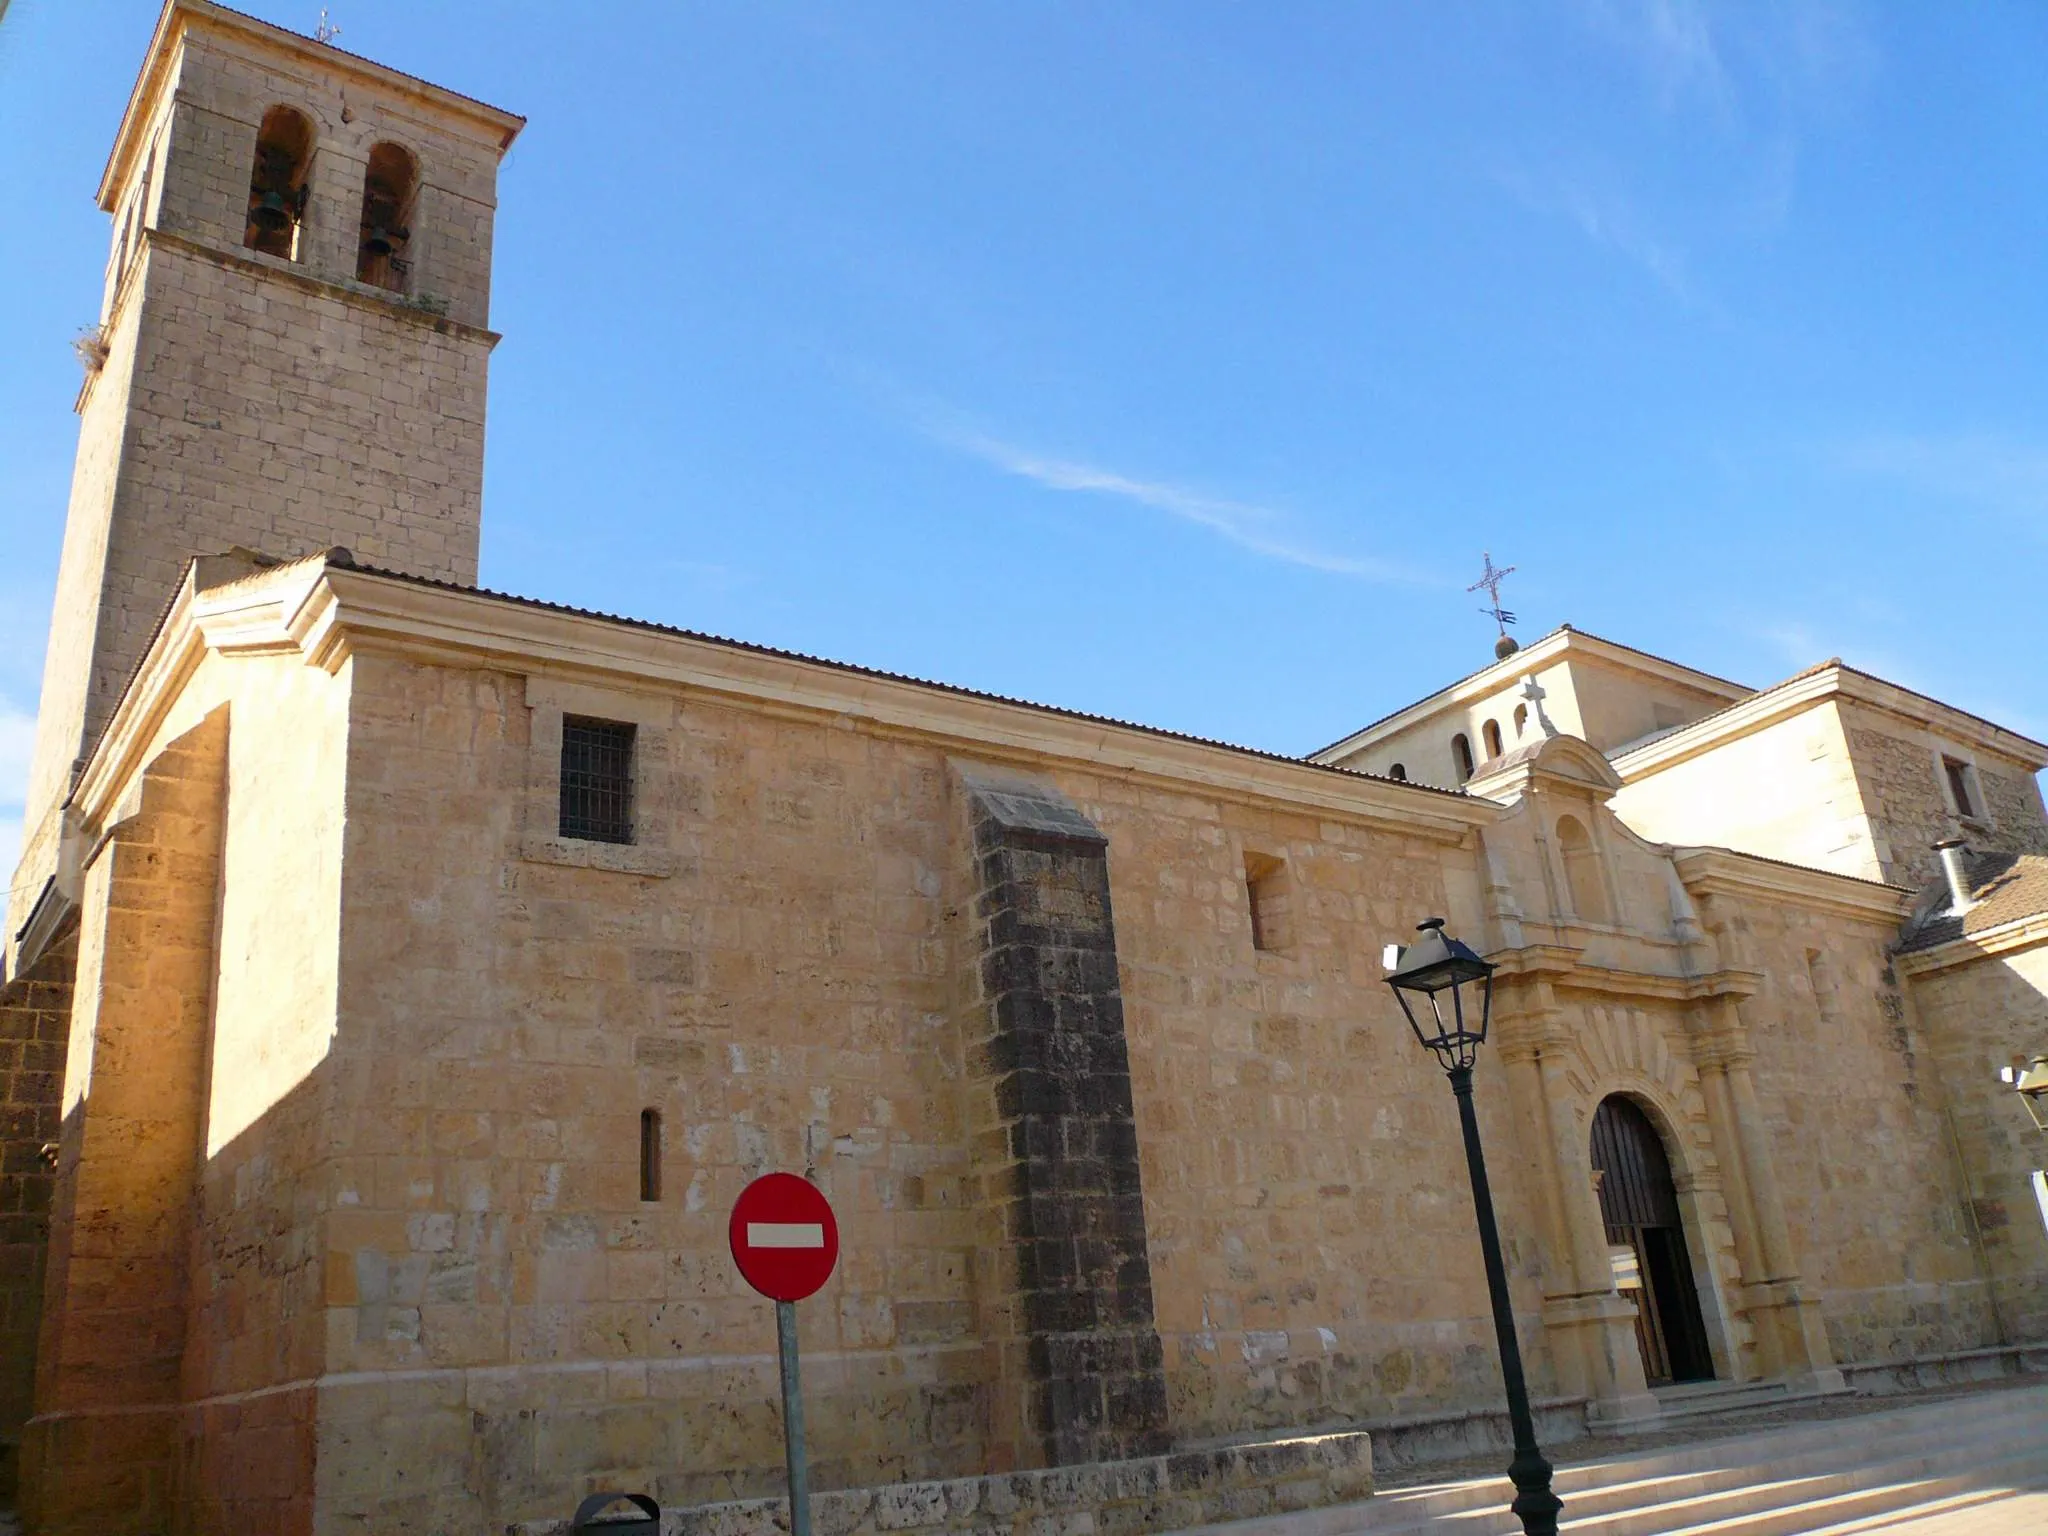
x,y
597,780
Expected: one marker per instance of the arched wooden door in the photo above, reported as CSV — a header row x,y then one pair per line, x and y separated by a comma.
x,y
1647,1235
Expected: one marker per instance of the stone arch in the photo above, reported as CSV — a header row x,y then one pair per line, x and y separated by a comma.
x,y
1621,1051
391,182
1490,732
277,183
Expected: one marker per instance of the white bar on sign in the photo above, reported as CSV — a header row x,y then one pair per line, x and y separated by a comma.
x,y
785,1234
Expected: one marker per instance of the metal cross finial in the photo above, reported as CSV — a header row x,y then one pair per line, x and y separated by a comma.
x,y
1489,582
326,31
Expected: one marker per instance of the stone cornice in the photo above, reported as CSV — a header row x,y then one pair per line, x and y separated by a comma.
x,y
1721,871
1803,692
328,612
1562,966
178,16
362,295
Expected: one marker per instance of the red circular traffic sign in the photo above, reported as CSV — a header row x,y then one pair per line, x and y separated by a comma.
x,y
784,1237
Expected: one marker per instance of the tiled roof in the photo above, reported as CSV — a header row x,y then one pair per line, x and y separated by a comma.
x,y
894,677
2005,887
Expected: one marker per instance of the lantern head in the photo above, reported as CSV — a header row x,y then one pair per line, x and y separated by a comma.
x,y
1429,979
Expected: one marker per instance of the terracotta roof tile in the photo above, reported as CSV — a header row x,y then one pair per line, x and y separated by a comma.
x,y
2005,886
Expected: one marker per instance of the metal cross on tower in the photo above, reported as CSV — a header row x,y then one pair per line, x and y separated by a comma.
x,y
1489,581
326,31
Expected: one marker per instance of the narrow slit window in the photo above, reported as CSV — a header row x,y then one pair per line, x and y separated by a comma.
x,y
650,1154
597,780
1959,787
277,184
1492,735
1521,719
384,238
1266,897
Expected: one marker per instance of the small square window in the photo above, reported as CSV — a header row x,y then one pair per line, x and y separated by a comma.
x,y
597,780
1959,787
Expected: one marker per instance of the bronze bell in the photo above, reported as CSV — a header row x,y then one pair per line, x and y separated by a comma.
x,y
383,241
272,213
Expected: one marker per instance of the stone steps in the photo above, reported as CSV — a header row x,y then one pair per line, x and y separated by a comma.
x,y
1789,1480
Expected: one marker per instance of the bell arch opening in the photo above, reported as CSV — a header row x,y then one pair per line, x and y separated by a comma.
x,y
384,237
1647,1242
277,183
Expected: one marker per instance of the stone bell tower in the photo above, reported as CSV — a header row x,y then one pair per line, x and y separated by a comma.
x,y
291,351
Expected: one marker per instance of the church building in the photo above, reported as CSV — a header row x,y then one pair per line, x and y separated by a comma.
x,y
402,979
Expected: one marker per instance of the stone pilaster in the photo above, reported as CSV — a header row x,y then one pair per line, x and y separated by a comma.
x,y
100,1453
1060,1160
1590,1325
1791,1339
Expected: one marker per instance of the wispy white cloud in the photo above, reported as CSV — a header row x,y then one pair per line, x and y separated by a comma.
x,y
1986,470
1263,530
1672,43
1866,640
1607,219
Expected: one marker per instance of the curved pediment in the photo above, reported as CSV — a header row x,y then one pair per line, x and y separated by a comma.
x,y
1552,757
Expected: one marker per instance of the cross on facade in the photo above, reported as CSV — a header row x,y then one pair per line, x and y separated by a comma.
x,y
1489,581
326,31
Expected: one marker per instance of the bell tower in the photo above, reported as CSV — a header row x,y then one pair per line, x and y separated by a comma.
x,y
291,351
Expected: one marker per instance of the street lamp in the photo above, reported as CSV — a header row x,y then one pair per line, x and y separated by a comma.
x,y
2030,1079
1435,969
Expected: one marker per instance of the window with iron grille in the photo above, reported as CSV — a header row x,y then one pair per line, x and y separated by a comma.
x,y
597,780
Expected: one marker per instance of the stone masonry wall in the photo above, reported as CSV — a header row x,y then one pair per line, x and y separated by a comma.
x,y
775,975
1121,1498
1975,1018
1872,1195
1903,792
35,1022
101,1452
1058,1157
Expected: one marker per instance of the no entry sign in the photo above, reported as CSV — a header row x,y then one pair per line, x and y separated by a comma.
x,y
784,1238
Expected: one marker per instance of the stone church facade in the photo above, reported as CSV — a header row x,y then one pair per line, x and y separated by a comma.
x,y
404,978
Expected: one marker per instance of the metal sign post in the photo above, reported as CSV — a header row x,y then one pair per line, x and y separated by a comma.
x,y
793,1421
785,1241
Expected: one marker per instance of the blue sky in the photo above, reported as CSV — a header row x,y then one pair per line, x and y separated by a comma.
x,y
1179,360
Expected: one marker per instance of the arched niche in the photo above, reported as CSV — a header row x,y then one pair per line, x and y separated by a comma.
x,y
1583,881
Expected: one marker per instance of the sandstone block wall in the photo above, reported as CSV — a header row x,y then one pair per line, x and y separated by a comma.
x,y
101,1450
1122,1498
35,1024
1855,1094
1972,1019
1899,772
784,988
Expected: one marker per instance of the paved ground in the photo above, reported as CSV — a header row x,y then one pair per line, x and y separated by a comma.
x,y
2024,1514
1620,1447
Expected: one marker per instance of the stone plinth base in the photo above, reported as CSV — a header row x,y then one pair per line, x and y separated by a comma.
x,y
1122,1498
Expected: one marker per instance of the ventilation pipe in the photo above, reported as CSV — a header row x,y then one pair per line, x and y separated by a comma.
x,y
1955,854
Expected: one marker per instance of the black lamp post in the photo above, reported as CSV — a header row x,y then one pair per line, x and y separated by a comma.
x,y
1436,968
